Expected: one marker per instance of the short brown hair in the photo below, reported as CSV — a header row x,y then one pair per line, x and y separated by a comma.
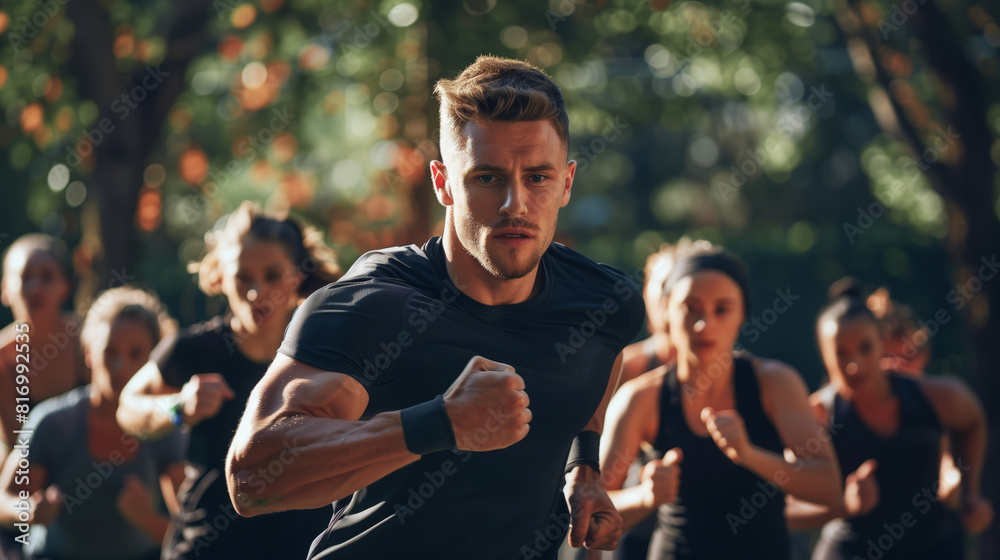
x,y
500,89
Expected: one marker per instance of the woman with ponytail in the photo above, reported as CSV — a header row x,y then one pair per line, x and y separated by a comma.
x,y
199,381
886,427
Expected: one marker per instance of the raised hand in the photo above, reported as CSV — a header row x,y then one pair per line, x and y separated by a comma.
x,y
861,493
45,505
202,397
730,434
662,477
487,406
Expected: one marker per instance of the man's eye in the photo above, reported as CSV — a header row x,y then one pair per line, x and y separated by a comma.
x,y
537,178
488,179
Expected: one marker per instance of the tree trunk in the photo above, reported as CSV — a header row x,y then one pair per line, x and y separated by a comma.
x,y
131,113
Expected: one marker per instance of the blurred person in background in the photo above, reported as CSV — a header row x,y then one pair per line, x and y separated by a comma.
x,y
886,428
95,491
722,421
199,381
35,286
656,350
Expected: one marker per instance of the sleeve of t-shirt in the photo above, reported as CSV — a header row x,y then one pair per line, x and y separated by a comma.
x,y
349,327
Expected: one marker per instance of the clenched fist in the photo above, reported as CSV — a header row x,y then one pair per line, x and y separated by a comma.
x,y
661,478
730,434
487,406
861,489
202,397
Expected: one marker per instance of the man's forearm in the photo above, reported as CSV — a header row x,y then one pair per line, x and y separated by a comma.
x,y
324,460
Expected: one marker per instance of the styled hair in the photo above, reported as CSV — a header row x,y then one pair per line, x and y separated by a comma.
x,y
314,261
499,89
130,303
846,301
40,242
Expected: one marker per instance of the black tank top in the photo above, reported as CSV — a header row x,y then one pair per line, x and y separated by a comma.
x,y
723,510
908,513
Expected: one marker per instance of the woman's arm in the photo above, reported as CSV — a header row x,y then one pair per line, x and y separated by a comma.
x,y
632,418
813,476
146,405
961,414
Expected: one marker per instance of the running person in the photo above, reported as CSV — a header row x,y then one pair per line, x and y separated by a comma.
x,y
73,440
722,423
887,436
36,284
656,350
201,378
487,316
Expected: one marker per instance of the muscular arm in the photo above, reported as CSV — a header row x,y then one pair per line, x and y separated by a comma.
x,y
814,477
316,414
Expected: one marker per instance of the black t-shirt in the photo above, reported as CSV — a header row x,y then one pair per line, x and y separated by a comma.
x,y
208,526
397,325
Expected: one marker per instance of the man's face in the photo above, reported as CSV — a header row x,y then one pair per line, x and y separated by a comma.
x,y
505,183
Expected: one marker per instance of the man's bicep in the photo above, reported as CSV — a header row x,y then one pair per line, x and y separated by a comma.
x,y
292,387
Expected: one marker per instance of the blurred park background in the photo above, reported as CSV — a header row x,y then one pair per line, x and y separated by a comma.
x,y
814,138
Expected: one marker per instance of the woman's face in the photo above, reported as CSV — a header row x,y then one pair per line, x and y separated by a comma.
x,y
260,282
117,353
704,314
851,350
34,285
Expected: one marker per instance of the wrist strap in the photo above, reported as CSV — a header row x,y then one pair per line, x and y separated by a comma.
x,y
586,450
427,427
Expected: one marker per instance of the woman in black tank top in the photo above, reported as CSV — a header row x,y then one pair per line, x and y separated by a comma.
x,y
722,424
886,428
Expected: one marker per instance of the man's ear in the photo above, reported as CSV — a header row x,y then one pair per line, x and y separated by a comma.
x,y
439,177
568,186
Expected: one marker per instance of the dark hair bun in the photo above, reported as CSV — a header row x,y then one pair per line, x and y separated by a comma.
x,y
848,287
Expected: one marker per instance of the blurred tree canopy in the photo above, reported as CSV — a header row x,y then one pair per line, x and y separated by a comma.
x,y
815,138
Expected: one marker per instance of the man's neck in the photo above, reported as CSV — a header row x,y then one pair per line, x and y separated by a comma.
x,y
474,281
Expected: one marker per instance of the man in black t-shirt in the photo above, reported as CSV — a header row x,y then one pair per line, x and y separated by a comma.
x,y
406,385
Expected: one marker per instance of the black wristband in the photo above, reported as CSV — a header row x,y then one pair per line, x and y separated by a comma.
x,y
586,450
427,427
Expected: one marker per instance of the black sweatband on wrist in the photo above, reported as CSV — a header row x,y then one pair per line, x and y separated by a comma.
x,y
427,428
586,450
